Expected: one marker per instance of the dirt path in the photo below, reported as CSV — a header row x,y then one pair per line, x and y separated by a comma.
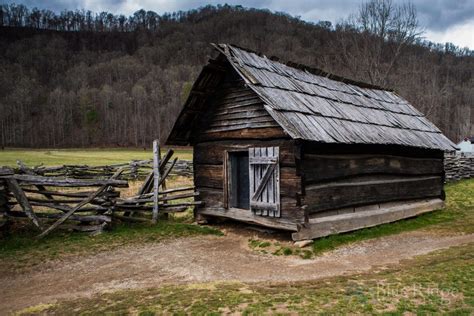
x,y
202,259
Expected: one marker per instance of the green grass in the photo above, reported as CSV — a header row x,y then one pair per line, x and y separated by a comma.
x,y
21,250
457,217
255,243
94,156
441,282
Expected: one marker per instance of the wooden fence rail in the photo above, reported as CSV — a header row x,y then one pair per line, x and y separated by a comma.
x,y
136,169
84,198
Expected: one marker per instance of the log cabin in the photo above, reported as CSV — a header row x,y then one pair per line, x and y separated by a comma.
x,y
295,148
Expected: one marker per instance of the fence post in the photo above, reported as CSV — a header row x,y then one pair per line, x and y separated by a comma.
x,y
156,179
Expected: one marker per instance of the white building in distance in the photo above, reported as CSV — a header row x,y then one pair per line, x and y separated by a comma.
x,y
467,145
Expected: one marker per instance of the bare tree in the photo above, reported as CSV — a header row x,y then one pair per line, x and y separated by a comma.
x,y
122,80
372,40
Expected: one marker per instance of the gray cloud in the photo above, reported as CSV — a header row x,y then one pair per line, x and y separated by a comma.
x,y
436,16
440,15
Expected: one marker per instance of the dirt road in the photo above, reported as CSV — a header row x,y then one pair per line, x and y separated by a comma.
x,y
202,259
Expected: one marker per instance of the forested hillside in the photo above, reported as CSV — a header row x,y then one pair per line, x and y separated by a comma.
x,y
84,79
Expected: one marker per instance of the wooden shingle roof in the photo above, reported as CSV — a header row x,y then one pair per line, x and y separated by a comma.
x,y
315,106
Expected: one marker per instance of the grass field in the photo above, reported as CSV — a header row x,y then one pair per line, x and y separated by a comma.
x,y
93,156
441,282
438,283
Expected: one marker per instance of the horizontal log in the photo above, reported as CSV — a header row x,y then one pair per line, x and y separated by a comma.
x,y
363,149
330,225
249,217
179,196
133,207
162,205
214,199
111,167
85,228
148,209
131,218
245,133
319,167
290,182
108,194
229,126
66,208
77,218
168,191
64,182
211,176
98,201
236,112
165,198
246,113
341,194
254,122
174,190
182,204
135,201
213,153
174,209
6,171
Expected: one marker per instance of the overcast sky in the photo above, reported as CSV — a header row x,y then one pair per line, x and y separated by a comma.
x,y
443,20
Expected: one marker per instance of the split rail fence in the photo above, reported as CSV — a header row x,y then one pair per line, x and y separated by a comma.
x,y
84,198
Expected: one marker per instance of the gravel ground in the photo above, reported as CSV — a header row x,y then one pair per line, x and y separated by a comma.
x,y
203,259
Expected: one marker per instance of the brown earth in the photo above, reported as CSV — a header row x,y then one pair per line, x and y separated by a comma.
x,y
203,259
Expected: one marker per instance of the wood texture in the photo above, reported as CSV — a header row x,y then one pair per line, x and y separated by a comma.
x,y
264,181
290,208
318,168
235,107
156,180
78,206
212,153
249,217
209,176
62,182
245,133
313,105
330,225
340,194
209,167
22,199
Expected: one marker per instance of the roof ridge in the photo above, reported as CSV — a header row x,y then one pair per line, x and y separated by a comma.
x,y
313,70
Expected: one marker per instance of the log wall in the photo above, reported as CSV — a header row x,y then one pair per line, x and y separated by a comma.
x,y
237,113
350,176
209,179
239,121
321,177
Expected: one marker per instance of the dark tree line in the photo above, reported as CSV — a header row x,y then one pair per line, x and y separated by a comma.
x,y
81,20
84,79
